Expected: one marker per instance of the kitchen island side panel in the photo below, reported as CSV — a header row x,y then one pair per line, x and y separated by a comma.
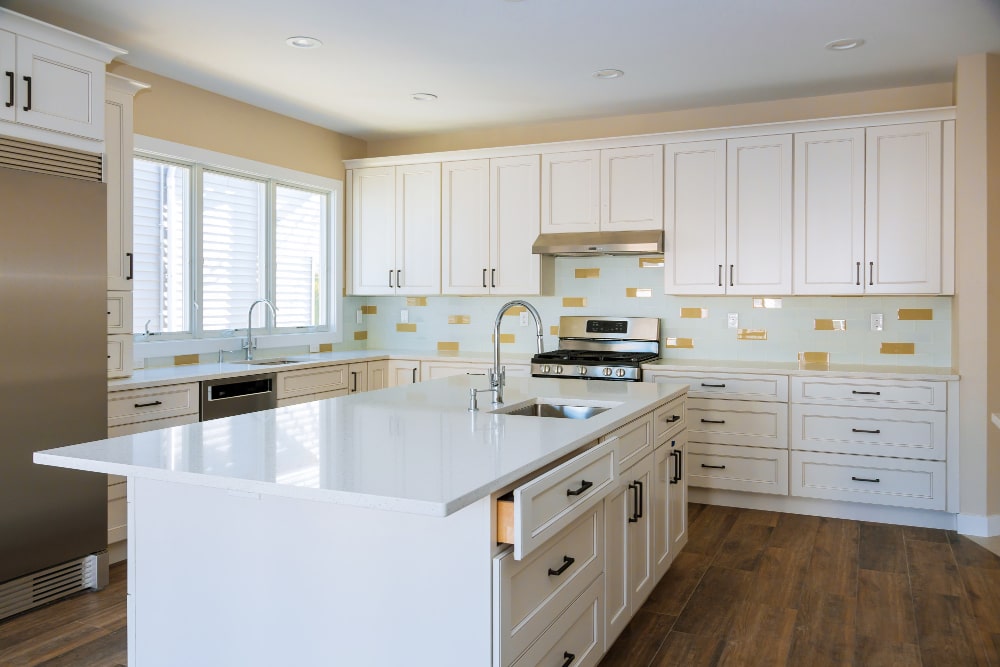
x,y
231,577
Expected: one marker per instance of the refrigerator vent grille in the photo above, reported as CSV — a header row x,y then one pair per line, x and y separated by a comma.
x,y
46,586
45,159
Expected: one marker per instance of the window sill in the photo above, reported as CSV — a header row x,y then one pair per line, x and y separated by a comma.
x,y
170,348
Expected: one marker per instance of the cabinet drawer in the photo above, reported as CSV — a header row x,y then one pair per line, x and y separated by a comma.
x,y
151,425
914,434
669,419
578,632
742,386
749,423
534,591
548,503
312,381
633,441
869,479
119,312
309,398
927,395
754,469
138,405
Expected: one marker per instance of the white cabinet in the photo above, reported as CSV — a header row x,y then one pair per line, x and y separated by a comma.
x,y
489,221
670,502
119,312
376,375
903,225
8,58
119,355
402,371
396,229
432,370
609,189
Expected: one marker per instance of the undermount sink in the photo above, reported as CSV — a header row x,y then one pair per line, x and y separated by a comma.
x,y
268,362
553,410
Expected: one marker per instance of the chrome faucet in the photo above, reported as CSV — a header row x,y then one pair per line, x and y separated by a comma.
x,y
250,345
498,375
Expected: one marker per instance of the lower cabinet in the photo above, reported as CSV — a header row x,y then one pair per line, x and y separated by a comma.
x,y
432,370
670,484
402,371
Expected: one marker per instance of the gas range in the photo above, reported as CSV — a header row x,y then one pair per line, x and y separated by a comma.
x,y
601,348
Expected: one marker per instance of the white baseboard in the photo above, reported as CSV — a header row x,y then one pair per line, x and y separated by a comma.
x,y
979,525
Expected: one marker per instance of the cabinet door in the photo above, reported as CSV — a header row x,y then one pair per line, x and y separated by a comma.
x,y
829,220
403,371
571,192
903,209
377,375
514,225
418,229
759,215
642,575
8,53
632,188
694,218
373,229
118,176
663,482
65,92
678,502
465,227
357,378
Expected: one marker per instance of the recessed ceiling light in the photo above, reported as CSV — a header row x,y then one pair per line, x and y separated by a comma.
x,y
845,44
423,97
301,42
608,74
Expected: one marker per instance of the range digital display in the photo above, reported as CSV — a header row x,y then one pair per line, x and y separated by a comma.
x,y
607,326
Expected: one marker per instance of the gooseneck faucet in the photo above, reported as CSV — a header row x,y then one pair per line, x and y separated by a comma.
x,y
250,345
498,375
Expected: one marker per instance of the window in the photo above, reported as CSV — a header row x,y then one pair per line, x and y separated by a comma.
x,y
213,234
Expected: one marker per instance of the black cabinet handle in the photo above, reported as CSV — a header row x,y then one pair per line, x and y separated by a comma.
x,y
584,485
131,265
720,275
147,405
399,280
484,278
635,502
866,393
354,381
567,561
713,386
865,430
390,277
642,509
493,277
28,81
672,419
680,465
414,376
10,94
865,479
568,657
858,271
731,274
673,474
705,465
713,421
871,273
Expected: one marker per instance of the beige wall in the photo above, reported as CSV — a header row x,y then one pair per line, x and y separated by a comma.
x,y
873,101
178,112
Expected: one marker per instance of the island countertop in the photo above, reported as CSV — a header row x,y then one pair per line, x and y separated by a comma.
x,y
414,448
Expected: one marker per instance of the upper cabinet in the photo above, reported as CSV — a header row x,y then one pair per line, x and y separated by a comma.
x,y
602,190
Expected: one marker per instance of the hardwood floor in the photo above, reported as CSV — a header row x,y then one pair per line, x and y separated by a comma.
x,y
750,588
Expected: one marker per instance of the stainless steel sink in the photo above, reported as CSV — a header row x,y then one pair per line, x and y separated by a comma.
x,y
554,410
269,362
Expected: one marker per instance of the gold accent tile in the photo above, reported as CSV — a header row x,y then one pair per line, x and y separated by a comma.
x,y
760,302
588,273
326,347
574,302
447,346
406,327
458,319
694,313
369,310
897,348
650,262
185,359
751,334
640,292
814,361
554,330
416,301
686,343
830,325
514,310
915,314
506,338
360,335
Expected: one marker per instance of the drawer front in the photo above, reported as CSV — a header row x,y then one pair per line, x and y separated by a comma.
x,y
669,419
119,312
312,381
137,405
753,469
553,500
119,355
151,425
309,398
748,423
912,434
875,393
575,638
742,386
634,441
534,591
869,479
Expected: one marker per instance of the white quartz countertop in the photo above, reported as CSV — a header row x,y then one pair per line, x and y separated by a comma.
x,y
414,448
877,372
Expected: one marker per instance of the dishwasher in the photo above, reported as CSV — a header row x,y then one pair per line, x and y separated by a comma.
x,y
237,396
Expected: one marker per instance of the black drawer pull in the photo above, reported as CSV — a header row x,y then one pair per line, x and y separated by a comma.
x,y
669,420
569,657
720,275
484,278
858,283
147,405
10,80
866,393
27,79
871,273
390,278
567,561
705,465
714,386
584,485
713,421
866,430
865,479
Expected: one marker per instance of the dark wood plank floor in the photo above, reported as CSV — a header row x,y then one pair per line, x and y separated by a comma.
x,y
751,588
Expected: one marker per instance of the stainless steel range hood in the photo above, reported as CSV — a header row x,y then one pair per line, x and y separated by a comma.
x,y
582,244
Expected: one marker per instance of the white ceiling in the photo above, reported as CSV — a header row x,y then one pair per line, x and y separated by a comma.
x,y
502,62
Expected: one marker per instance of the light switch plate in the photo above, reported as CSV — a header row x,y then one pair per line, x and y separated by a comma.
x,y
404,316
733,320
876,321
524,319
358,315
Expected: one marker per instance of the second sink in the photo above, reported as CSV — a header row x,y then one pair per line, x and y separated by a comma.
x,y
553,410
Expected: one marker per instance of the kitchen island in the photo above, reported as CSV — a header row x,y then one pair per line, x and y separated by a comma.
x,y
362,530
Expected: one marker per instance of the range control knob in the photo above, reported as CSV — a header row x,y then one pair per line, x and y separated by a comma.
x,y
607,371
620,372
546,369
559,370
582,370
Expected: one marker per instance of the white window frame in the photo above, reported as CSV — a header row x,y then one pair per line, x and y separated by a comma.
x,y
160,149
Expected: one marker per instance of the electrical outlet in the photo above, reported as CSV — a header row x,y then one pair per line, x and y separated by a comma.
x,y
314,347
524,319
876,321
733,320
404,316
358,315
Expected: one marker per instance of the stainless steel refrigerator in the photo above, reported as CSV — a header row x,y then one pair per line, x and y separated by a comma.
x,y
53,383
